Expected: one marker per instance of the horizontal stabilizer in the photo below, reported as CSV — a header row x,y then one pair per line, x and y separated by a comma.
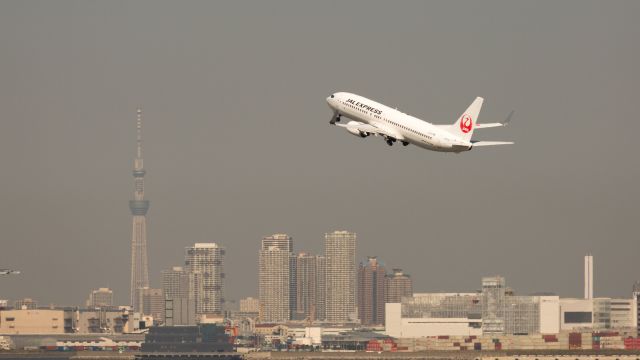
x,y
490,125
491,143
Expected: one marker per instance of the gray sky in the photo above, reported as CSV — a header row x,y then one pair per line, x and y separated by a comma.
x,y
238,145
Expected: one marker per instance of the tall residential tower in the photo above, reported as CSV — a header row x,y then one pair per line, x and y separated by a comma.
x,y
340,276
371,291
205,264
139,207
274,282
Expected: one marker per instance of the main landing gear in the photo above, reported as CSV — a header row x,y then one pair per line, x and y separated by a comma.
x,y
405,143
390,140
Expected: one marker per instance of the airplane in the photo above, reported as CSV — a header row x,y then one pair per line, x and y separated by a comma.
x,y
8,272
372,118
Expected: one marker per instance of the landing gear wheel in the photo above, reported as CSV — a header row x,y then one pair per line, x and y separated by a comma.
x,y
338,118
389,142
405,143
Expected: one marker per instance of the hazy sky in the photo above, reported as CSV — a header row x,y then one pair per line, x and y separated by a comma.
x,y
237,143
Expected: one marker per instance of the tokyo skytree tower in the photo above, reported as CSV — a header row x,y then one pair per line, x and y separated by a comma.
x,y
139,207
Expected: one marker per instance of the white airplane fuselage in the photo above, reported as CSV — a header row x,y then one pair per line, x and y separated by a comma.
x,y
403,127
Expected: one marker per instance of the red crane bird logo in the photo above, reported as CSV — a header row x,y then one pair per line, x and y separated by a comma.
x,y
466,123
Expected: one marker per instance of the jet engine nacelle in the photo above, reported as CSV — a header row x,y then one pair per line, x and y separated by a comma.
x,y
351,128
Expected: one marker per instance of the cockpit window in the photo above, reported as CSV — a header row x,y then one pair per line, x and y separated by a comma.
x,y
332,96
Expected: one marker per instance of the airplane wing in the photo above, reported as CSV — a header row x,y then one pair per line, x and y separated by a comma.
x,y
490,125
367,128
491,143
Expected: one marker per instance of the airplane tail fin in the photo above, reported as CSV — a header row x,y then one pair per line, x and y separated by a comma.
x,y
466,123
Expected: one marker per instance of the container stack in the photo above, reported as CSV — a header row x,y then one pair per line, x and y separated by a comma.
x,y
631,343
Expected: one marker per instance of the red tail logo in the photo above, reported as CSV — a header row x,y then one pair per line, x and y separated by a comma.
x,y
466,123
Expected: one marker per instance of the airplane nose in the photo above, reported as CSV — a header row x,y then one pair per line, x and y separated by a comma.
x,y
330,99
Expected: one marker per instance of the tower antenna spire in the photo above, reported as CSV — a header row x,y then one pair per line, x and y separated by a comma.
x,y
139,137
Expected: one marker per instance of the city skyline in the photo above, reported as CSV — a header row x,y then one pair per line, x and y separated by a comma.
x,y
238,145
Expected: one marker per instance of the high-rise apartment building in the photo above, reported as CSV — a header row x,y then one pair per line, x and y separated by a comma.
x,y
588,276
340,256
636,297
152,303
175,283
100,298
205,264
139,207
280,241
274,283
371,291
397,284
321,288
249,305
309,287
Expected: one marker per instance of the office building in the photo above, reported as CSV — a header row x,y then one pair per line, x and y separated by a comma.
x,y
205,264
152,303
588,276
340,257
397,285
180,306
139,207
371,292
274,282
100,298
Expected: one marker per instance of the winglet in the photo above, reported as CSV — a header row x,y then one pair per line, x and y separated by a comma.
x,y
508,119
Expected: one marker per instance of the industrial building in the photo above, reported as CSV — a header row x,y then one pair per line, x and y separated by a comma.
x,y
598,314
71,321
189,339
497,311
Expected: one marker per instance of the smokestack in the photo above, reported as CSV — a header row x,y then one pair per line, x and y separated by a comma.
x,y
588,276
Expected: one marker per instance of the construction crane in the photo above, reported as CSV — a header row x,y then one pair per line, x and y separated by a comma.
x,y
9,272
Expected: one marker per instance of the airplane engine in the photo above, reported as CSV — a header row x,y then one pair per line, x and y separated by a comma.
x,y
352,130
